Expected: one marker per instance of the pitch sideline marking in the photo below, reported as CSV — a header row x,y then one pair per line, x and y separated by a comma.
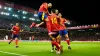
x,y
12,53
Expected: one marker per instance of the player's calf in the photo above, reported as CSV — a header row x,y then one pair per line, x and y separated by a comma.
x,y
60,50
10,41
68,41
16,42
52,50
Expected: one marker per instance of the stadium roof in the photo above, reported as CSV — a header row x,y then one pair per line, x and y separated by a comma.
x,y
81,11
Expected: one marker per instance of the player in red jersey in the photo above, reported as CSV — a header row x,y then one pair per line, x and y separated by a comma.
x,y
53,30
58,38
15,31
63,31
43,13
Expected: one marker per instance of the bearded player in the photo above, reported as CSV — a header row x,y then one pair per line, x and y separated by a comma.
x,y
53,30
63,31
15,31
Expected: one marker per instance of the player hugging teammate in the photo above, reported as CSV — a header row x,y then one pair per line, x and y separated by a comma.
x,y
55,25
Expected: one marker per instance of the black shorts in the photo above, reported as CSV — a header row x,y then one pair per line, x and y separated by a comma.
x,y
14,36
55,35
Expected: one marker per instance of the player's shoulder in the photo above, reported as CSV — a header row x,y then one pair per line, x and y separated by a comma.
x,y
14,26
54,15
63,18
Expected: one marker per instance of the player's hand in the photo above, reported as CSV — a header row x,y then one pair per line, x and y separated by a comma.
x,y
49,14
31,26
37,25
11,30
22,30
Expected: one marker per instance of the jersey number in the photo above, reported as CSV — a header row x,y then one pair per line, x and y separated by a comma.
x,y
54,20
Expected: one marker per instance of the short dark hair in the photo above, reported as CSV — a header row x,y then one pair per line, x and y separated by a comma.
x,y
53,10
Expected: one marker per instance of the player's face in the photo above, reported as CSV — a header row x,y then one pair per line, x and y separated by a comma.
x,y
50,5
60,15
17,24
56,11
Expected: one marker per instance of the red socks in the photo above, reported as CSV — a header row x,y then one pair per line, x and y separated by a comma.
x,y
56,44
59,42
68,42
52,44
16,42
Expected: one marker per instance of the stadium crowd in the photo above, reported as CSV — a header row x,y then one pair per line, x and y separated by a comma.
x,y
40,35
92,35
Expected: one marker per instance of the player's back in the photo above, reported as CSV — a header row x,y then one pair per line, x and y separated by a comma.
x,y
43,7
54,22
62,23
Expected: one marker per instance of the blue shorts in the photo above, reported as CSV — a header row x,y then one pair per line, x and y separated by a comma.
x,y
14,36
63,32
42,16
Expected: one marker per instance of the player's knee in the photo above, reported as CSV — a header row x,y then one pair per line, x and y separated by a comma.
x,y
16,38
66,36
58,40
53,39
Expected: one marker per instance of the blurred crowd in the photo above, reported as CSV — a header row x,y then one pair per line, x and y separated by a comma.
x,y
8,24
41,33
74,36
85,35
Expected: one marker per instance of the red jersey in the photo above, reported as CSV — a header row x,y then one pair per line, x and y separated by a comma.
x,y
62,22
44,8
15,29
52,24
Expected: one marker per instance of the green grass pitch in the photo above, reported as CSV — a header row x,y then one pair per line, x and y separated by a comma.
x,y
43,49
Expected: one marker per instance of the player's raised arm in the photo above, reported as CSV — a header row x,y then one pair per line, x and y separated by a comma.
x,y
66,21
21,30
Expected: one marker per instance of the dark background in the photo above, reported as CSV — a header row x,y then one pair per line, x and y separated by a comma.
x,y
81,11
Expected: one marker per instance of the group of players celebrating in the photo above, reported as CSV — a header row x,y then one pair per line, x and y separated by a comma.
x,y
55,25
